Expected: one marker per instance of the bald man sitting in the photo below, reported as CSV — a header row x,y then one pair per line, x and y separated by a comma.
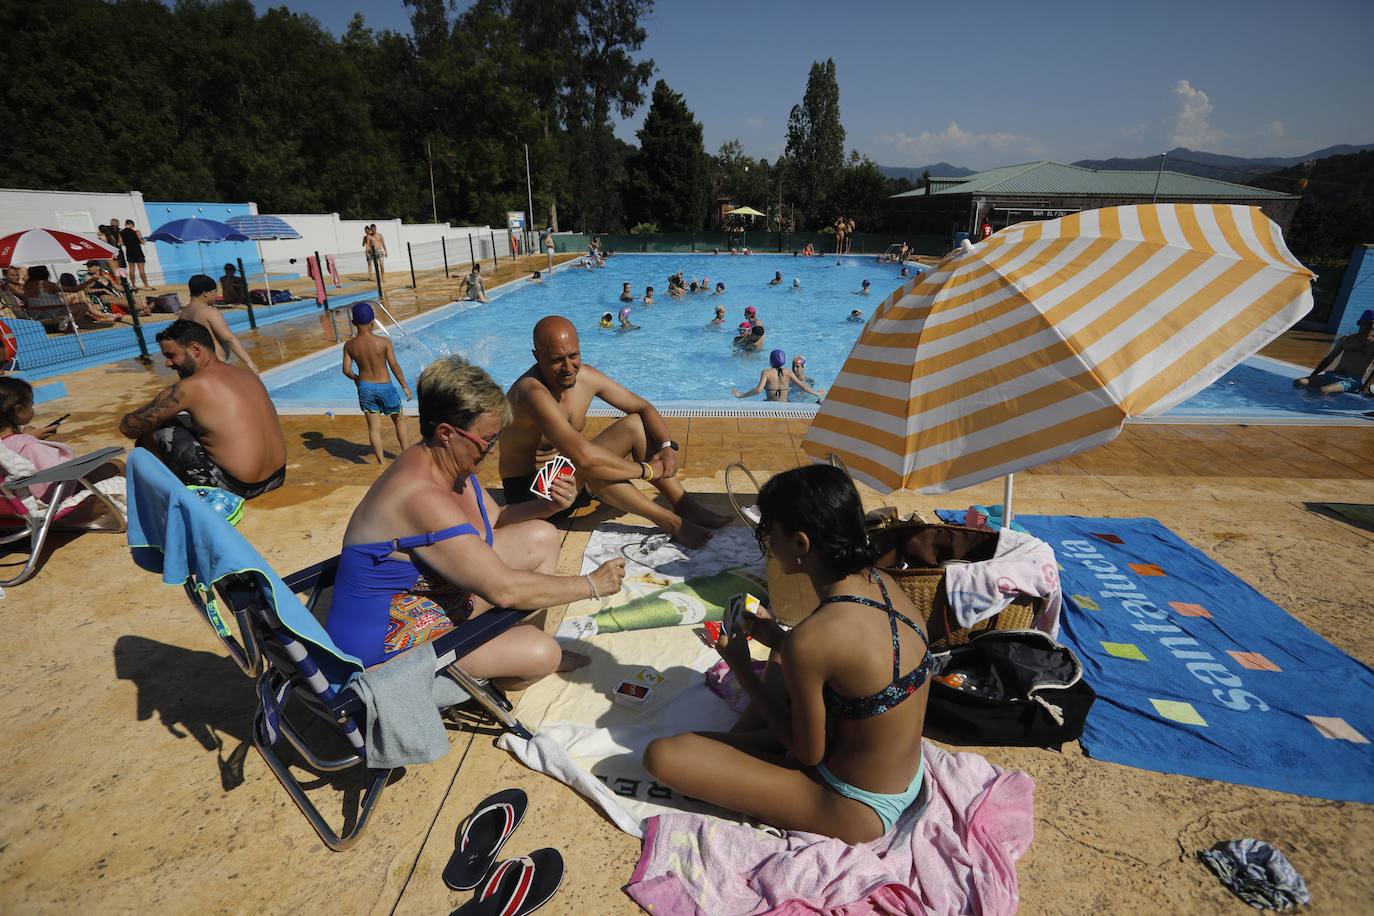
x,y
550,404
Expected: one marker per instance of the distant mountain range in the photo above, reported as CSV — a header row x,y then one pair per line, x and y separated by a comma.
x,y
937,170
1180,159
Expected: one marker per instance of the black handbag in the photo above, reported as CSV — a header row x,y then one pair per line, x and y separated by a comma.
x,y
1009,687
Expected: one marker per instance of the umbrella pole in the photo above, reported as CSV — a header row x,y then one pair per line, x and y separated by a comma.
x,y
266,280
1006,501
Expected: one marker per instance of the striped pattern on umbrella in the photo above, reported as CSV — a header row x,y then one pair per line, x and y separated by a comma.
x,y
262,227
1039,342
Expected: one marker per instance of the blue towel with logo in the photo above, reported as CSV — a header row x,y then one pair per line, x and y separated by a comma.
x,y
173,532
1197,673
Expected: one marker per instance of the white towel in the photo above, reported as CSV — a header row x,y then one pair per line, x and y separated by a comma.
x,y
545,754
1022,565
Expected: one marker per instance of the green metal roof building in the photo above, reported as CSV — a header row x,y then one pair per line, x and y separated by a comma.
x,y
1045,190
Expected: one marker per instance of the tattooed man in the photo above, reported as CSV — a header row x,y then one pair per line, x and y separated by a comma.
x,y
215,426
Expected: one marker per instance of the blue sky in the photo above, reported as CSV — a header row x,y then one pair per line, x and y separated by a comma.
x,y
992,83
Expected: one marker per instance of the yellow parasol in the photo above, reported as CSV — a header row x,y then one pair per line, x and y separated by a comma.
x,y
743,211
1041,341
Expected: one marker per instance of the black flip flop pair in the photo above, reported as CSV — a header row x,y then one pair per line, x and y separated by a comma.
x,y
510,888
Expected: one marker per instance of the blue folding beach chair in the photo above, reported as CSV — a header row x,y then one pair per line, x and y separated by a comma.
x,y
275,636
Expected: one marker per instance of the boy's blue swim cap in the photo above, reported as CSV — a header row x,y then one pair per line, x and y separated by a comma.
x,y
362,313
777,359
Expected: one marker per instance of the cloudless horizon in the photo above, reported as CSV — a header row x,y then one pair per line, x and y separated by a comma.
x,y
995,83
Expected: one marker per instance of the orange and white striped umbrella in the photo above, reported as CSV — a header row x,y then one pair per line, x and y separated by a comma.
x,y
1041,341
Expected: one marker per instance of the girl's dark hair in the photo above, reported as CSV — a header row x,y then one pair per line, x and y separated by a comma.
x,y
14,393
821,501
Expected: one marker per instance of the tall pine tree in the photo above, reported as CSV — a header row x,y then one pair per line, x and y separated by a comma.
x,y
666,181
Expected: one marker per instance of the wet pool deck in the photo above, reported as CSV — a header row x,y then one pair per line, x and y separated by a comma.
x,y
132,785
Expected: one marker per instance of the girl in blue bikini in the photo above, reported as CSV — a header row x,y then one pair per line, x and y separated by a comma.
x,y
857,670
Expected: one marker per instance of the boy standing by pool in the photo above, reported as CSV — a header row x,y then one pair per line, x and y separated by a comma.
x,y
374,356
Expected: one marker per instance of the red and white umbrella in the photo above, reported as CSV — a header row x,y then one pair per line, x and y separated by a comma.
x,y
50,246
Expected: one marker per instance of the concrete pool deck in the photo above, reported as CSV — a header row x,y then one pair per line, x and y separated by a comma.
x,y
132,786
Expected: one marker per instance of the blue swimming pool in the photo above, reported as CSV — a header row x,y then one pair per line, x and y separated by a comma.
x,y
683,365
675,359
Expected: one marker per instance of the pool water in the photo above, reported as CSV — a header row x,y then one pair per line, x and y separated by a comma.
x,y
675,359
681,363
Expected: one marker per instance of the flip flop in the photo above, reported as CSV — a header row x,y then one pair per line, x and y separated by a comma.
x,y
518,886
481,836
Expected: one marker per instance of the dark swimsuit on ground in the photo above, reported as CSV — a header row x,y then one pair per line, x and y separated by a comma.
x,y
383,605
888,806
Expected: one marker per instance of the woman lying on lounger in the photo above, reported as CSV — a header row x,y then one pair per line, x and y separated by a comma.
x,y
856,669
428,548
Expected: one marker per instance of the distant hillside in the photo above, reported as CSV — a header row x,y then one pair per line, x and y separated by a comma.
x,y
1336,213
937,170
1331,178
1216,165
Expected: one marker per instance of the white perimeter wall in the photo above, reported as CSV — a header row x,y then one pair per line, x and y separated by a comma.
x,y
327,233
74,211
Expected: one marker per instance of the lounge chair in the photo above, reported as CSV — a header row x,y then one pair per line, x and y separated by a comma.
x,y
33,519
280,641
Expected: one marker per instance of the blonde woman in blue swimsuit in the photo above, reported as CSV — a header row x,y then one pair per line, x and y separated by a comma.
x,y
835,749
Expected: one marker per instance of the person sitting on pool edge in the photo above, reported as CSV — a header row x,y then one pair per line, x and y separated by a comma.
x,y
428,548
215,426
1354,358
776,379
550,404
831,741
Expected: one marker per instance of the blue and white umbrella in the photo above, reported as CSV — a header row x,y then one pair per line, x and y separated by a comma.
x,y
260,228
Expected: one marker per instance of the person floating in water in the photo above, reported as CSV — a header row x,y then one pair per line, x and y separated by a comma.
x,y
777,279
857,316
1353,355
776,379
863,289
720,317
648,295
625,323
607,320
625,294
720,288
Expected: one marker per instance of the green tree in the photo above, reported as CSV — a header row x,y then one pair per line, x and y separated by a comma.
x,y
861,192
815,144
740,177
666,176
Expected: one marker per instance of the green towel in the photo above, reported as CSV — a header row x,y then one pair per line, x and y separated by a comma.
x,y
687,603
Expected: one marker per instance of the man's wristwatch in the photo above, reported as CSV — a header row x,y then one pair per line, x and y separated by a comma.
x,y
669,444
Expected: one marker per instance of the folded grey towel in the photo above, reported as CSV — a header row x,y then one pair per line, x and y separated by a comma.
x,y
403,698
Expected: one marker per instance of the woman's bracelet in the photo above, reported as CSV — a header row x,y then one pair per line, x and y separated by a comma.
x,y
648,471
596,596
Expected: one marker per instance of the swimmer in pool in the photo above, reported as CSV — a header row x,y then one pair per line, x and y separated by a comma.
x,y
720,288
905,273
720,317
625,294
607,320
863,289
625,323
755,342
775,380
857,316
799,368
537,278
796,283
751,315
742,334
777,278
648,295
693,287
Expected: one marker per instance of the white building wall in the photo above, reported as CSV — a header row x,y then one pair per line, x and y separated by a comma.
x,y
74,211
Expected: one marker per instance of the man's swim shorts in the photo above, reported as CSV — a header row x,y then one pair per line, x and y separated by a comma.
x,y
1348,384
177,447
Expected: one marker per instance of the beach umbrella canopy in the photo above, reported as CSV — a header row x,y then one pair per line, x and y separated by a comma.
x,y
743,211
1041,341
194,229
262,228
50,246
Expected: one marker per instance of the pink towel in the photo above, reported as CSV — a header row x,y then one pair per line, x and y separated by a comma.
x,y
333,266
1022,564
312,267
959,857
